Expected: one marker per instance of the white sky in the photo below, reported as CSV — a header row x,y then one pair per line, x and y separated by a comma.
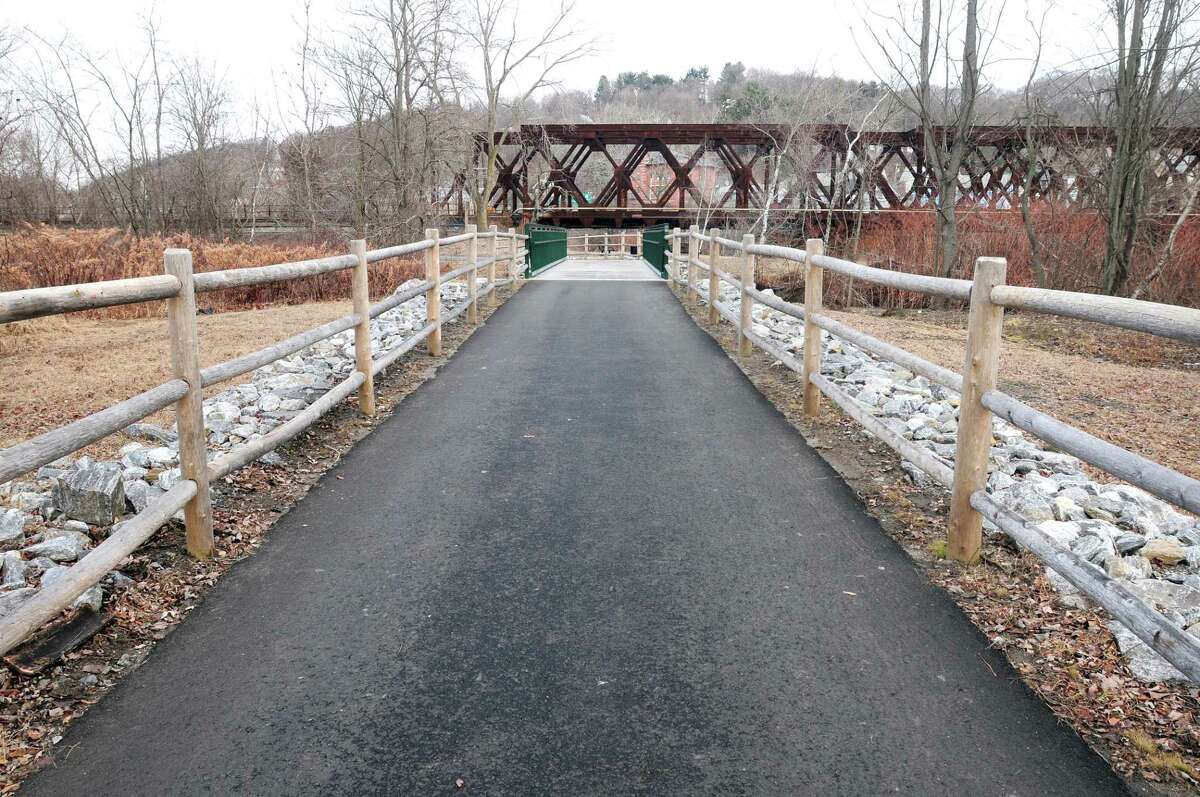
x,y
255,39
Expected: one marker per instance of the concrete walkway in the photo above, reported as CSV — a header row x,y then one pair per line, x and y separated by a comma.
x,y
621,269
589,558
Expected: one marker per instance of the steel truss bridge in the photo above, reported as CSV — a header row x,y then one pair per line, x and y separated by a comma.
x,y
639,174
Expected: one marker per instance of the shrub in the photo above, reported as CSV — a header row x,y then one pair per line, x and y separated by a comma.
x,y
39,256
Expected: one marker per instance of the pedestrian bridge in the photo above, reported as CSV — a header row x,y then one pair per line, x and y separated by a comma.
x,y
587,558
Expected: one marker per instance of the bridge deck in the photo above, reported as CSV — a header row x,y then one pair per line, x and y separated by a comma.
x,y
621,269
587,558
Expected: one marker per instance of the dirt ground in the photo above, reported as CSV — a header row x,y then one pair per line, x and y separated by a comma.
x,y
1148,732
59,369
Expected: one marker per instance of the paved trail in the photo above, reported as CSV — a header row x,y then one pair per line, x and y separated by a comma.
x,y
587,559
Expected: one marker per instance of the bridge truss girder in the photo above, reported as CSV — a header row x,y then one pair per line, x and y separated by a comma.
x,y
540,169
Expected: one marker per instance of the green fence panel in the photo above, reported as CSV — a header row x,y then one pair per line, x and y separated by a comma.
x,y
654,247
547,246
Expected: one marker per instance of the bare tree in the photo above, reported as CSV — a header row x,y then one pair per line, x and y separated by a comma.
x,y
199,108
408,44
1157,51
10,97
1034,118
947,112
505,55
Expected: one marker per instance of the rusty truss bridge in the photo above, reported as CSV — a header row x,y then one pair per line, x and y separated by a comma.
x,y
640,174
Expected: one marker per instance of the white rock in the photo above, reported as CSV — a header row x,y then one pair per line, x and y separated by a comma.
x,y
168,479
1062,533
64,548
13,569
94,494
9,601
13,523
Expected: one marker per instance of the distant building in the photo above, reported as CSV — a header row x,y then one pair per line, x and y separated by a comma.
x,y
654,175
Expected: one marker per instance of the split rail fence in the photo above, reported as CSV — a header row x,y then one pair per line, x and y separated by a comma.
x,y
988,296
604,244
179,287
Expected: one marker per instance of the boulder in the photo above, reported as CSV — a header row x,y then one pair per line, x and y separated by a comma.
x,y
133,474
1028,501
140,495
1174,600
12,528
9,601
1092,549
148,431
67,547
1066,509
31,501
161,456
168,479
1164,550
1129,543
1128,567
1100,508
902,405
1061,533
13,569
94,494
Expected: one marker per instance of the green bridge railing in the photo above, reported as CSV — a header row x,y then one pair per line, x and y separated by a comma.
x,y
654,248
547,246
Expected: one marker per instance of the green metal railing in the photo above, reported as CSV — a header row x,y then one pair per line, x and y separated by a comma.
x,y
654,248
547,246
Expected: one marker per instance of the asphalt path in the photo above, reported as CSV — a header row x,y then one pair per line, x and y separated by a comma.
x,y
588,558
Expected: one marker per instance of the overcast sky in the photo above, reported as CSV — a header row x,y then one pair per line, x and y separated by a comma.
x,y
255,39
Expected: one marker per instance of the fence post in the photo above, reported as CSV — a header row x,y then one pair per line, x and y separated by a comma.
x,y
360,292
513,247
714,282
189,410
491,269
985,323
746,317
814,277
693,254
433,296
676,252
473,274
585,243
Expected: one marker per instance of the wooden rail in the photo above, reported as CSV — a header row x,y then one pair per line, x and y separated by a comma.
x,y
970,504
604,243
179,286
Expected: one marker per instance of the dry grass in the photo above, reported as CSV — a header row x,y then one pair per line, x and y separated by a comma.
x,y
55,370
40,256
1121,386
60,369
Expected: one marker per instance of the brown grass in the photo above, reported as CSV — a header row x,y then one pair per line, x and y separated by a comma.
x,y
34,257
1070,244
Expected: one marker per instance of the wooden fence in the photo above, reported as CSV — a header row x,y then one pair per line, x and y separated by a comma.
x,y
604,244
988,296
179,286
